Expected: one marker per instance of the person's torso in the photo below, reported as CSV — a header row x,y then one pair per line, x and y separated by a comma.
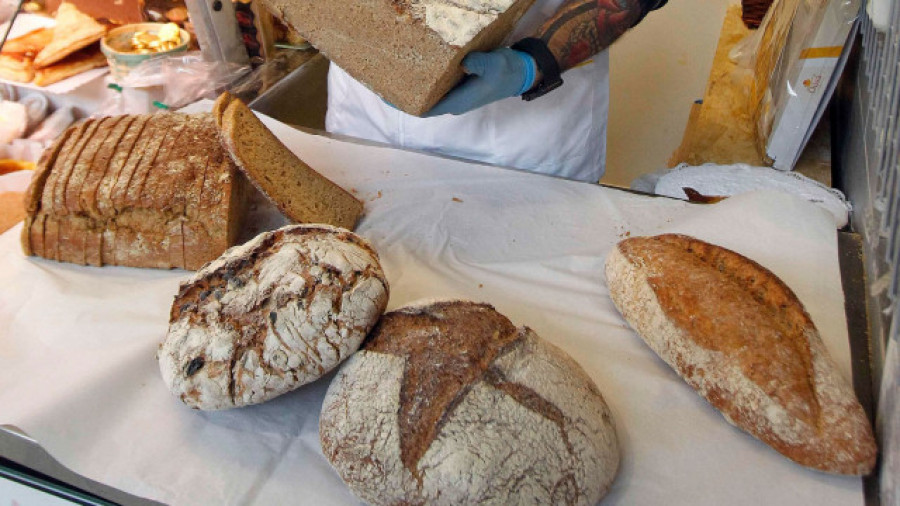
x,y
562,133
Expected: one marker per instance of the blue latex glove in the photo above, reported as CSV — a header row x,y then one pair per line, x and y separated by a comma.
x,y
493,76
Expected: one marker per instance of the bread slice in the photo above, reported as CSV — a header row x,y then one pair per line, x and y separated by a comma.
x,y
32,239
737,334
68,167
409,52
73,31
123,152
301,193
59,167
101,166
85,164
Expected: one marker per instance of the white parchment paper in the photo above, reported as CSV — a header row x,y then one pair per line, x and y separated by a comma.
x,y
77,344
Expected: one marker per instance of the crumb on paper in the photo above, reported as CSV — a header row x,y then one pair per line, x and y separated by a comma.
x,y
456,199
622,232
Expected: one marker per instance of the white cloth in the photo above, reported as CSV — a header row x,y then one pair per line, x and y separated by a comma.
x,y
77,344
562,133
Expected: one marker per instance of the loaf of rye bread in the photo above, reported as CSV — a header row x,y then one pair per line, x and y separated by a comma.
x,y
738,335
407,51
449,403
140,191
271,315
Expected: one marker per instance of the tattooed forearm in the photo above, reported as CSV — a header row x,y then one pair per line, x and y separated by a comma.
x,y
582,28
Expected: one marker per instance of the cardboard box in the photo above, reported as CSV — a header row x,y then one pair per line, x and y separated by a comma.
x,y
806,60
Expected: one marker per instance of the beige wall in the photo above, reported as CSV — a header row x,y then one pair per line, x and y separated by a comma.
x,y
656,72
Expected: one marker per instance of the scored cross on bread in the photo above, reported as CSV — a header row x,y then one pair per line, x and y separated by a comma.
x,y
449,403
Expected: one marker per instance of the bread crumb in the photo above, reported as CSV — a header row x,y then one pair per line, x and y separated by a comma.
x,y
455,199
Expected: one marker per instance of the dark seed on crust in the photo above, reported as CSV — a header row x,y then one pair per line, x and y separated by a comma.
x,y
194,366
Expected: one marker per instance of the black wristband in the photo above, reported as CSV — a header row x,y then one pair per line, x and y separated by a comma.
x,y
546,63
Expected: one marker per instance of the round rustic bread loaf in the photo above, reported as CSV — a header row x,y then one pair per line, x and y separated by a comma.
x,y
449,403
269,316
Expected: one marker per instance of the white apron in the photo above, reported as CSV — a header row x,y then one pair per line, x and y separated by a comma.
x,y
562,133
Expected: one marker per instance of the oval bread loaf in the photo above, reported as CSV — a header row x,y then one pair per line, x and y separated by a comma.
x,y
269,316
449,403
737,334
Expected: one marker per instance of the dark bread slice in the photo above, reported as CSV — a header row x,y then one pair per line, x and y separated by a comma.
x,y
93,246
158,185
63,160
162,123
85,164
72,232
35,229
68,168
191,163
300,192
101,166
43,171
108,246
33,240
737,334
51,237
127,155
127,187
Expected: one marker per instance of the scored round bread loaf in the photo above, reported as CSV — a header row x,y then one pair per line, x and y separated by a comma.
x,y
450,403
271,315
737,334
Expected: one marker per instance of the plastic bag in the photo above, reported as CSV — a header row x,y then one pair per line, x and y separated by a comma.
x,y
183,78
53,125
25,149
13,121
36,106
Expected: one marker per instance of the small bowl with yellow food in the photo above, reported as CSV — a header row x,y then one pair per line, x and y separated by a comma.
x,y
128,46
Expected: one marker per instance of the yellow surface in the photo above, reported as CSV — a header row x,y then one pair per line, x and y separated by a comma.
x,y
821,52
723,129
657,71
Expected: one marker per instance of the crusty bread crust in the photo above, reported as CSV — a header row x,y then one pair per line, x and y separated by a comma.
x,y
742,339
449,403
271,315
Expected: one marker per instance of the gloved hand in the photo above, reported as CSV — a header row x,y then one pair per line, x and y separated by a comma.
x,y
493,76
